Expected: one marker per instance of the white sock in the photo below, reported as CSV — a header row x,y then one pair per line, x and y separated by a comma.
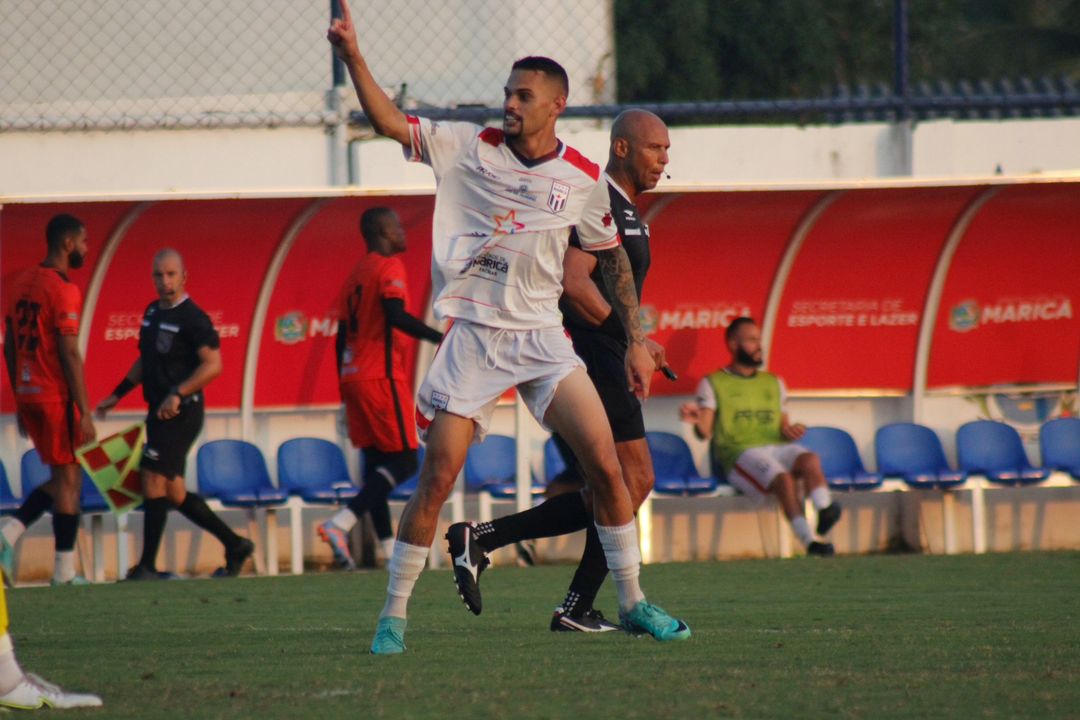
x,y
405,565
12,530
344,520
10,672
387,545
64,569
623,555
821,497
802,530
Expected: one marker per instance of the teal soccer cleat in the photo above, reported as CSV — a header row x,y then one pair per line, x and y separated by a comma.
x,y
650,619
7,560
389,636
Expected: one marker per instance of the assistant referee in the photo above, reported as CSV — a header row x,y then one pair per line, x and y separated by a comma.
x,y
179,354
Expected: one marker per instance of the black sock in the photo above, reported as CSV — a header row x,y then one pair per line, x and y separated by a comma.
x,y
34,507
65,531
195,509
371,497
589,577
155,513
555,516
380,520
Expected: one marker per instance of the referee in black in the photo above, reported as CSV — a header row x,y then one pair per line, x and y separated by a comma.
x,y
178,356
636,159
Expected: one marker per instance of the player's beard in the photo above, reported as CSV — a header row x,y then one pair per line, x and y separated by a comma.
x,y
747,359
75,259
519,127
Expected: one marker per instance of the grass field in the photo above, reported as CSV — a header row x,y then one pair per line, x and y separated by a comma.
x,y
862,637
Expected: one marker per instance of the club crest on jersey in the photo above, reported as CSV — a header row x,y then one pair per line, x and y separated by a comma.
x,y
560,193
439,400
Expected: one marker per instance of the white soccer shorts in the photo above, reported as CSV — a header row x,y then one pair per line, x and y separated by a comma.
x,y
476,364
756,468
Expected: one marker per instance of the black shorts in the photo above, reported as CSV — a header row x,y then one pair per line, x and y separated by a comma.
x,y
168,441
605,360
400,464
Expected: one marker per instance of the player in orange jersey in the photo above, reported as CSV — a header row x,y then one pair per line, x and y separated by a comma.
x,y
41,347
374,387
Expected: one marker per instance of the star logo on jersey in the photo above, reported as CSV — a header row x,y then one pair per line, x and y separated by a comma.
x,y
560,193
507,224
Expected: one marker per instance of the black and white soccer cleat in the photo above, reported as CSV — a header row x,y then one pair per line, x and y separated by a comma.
x,y
468,560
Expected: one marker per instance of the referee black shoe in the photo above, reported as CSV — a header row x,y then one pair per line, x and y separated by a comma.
x,y
821,549
235,557
468,560
590,621
827,517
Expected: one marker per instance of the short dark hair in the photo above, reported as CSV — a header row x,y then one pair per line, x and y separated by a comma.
x,y
371,222
733,328
547,66
59,228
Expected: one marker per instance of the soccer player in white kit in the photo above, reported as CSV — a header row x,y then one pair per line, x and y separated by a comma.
x,y
504,205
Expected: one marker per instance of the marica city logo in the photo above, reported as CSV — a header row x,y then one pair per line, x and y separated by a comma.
x,y
291,328
964,316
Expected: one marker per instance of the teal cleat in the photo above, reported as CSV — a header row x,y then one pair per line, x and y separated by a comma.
x,y
389,636
7,560
76,580
650,619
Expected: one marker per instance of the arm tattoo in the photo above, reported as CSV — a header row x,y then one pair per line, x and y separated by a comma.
x,y
619,279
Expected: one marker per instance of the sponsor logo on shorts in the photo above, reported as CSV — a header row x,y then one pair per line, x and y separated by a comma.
x,y
439,400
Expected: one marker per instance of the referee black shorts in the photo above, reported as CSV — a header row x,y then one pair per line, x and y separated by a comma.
x,y
168,441
605,360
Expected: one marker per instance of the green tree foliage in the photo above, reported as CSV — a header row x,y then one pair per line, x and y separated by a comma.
x,y
686,50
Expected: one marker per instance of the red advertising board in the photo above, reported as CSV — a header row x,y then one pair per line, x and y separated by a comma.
x,y
714,258
226,246
1008,309
851,307
22,229
296,358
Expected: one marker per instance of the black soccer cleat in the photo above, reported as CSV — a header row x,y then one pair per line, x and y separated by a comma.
x,y
141,572
468,560
235,557
822,549
590,621
827,517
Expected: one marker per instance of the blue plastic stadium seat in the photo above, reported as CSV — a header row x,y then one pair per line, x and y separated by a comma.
x,y
491,467
673,465
553,460
91,498
913,453
994,450
840,460
8,502
35,473
234,472
1059,441
315,470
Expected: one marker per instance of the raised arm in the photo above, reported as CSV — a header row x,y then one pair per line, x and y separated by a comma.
x,y
384,116
619,279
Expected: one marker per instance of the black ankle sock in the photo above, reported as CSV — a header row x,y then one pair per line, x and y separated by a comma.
x,y
34,507
556,516
65,530
376,488
155,513
380,520
195,509
590,575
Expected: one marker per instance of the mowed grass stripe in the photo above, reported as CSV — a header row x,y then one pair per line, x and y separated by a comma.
x,y
864,637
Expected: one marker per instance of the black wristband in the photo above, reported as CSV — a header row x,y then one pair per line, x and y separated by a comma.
x,y
123,388
175,390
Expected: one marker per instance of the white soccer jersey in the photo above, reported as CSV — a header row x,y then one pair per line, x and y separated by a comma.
x,y
501,226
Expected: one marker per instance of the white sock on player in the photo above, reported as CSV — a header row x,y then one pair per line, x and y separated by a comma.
x,y
64,569
12,530
802,530
821,497
345,520
10,672
405,565
623,555
387,545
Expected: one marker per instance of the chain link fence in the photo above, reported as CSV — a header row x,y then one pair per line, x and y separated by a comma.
x,y
122,64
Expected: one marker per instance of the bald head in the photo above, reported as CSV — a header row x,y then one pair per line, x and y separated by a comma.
x,y
169,275
639,151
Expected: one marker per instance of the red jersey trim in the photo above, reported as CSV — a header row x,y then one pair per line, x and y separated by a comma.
x,y
582,163
416,140
492,136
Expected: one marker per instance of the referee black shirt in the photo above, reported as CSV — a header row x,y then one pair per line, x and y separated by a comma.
x,y
169,342
634,236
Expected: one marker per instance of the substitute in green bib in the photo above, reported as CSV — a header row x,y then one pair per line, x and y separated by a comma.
x,y
740,411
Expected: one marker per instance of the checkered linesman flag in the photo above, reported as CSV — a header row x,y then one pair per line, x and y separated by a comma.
x,y
113,465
